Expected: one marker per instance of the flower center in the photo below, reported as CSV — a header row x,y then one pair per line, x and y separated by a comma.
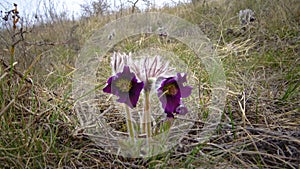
x,y
124,85
170,89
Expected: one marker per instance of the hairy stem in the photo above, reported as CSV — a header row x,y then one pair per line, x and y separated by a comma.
x,y
147,115
129,122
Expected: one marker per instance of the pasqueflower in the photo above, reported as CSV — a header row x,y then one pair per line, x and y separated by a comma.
x,y
170,93
126,86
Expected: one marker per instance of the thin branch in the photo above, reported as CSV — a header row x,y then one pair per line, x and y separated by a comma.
x,y
133,5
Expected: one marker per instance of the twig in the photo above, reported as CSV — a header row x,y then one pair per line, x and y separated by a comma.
x,y
243,109
133,5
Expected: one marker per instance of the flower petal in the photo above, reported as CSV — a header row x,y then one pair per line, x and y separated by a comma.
x,y
107,88
170,103
186,91
126,71
135,91
181,109
124,98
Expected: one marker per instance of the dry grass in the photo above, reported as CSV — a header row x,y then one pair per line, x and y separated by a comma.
x,y
260,122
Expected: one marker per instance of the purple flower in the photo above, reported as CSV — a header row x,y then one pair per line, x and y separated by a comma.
x,y
124,84
170,93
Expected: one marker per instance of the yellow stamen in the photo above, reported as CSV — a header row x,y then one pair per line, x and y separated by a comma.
x,y
170,89
124,85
